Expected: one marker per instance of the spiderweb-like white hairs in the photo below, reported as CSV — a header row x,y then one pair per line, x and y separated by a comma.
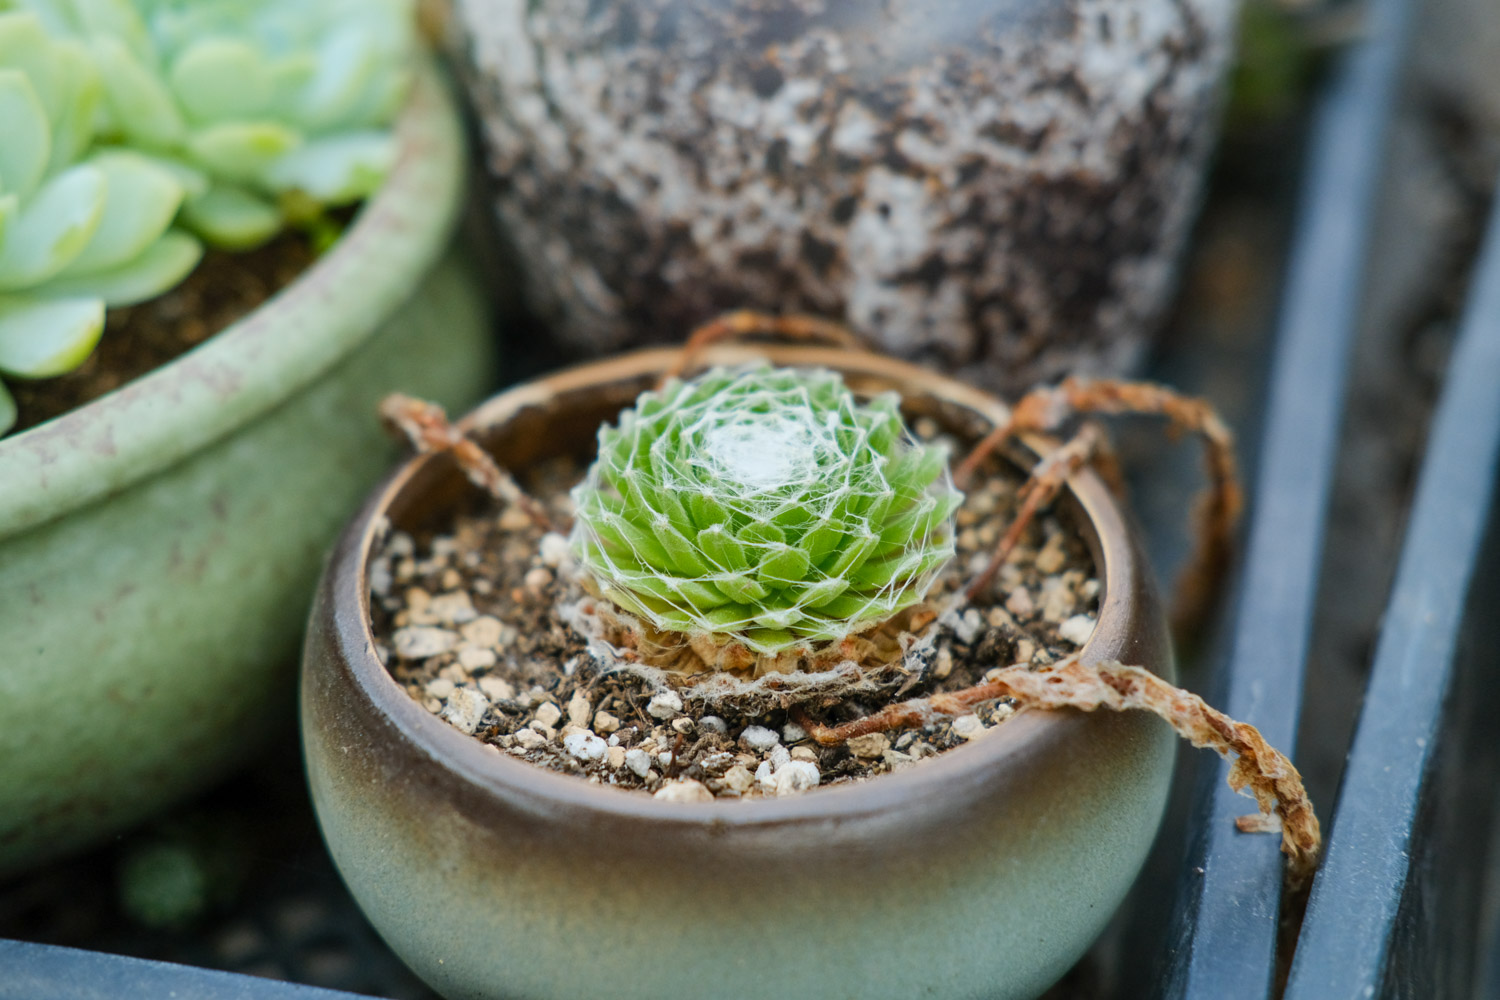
x,y
764,504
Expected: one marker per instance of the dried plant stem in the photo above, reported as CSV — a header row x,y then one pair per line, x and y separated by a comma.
x,y
1269,776
1047,479
1217,512
749,323
426,426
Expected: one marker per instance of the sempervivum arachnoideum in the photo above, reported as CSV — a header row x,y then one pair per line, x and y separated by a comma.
x,y
763,508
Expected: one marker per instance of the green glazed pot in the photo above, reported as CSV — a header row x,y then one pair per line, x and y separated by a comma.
x,y
983,873
159,546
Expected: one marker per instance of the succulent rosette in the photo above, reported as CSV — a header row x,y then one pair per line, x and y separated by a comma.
x,y
80,228
268,110
764,505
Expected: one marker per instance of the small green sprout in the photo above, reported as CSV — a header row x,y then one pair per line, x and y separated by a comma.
x,y
269,111
80,228
765,506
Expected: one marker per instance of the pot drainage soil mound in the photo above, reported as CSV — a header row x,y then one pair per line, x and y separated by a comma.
x,y
469,623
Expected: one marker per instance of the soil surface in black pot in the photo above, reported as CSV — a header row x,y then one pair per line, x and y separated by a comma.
x,y
471,622
223,288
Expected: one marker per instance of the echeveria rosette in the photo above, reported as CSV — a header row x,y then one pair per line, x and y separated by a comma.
x,y
79,230
269,110
764,505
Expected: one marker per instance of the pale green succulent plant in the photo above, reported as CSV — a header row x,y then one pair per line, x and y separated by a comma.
x,y
766,506
268,110
79,230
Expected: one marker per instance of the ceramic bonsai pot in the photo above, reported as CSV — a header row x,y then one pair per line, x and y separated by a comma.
x,y
158,546
987,871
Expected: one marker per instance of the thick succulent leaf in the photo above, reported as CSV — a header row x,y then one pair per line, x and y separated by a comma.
x,y
52,228
7,409
140,106
337,169
141,199
681,553
783,564
25,47
27,142
217,79
722,549
43,338
9,206
116,19
154,270
80,94
231,217
241,151
194,182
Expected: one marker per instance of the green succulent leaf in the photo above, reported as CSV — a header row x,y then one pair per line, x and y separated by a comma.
x,y
53,227
141,106
232,217
765,504
222,78
28,136
241,151
40,338
338,169
141,199
153,271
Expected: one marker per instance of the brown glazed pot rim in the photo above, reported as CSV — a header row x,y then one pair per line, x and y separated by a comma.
x,y
1129,620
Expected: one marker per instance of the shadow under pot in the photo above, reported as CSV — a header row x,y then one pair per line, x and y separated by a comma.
x,y
984,870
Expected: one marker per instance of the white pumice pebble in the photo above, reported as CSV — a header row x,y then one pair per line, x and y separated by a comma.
x,y
758,739
579,710
969,727
553,549
497,689
713,724
1077,629
585,746
685,790
797,776
791,733
639,761
465,709
548,714
417,642
664,705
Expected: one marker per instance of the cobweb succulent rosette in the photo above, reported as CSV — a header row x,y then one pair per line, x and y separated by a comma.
x,y
764,506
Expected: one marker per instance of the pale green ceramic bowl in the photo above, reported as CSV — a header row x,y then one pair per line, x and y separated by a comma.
x,y
158,547
983,873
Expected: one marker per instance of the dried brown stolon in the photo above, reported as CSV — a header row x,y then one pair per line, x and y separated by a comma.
x,y
1265,771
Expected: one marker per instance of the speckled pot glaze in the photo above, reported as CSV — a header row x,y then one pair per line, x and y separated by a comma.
x,y
998,187
986,871
158,546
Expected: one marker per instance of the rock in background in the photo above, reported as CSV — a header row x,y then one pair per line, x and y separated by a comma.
x,y
995,188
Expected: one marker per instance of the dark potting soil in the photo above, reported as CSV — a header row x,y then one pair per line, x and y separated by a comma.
x,y
137,339
468,621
